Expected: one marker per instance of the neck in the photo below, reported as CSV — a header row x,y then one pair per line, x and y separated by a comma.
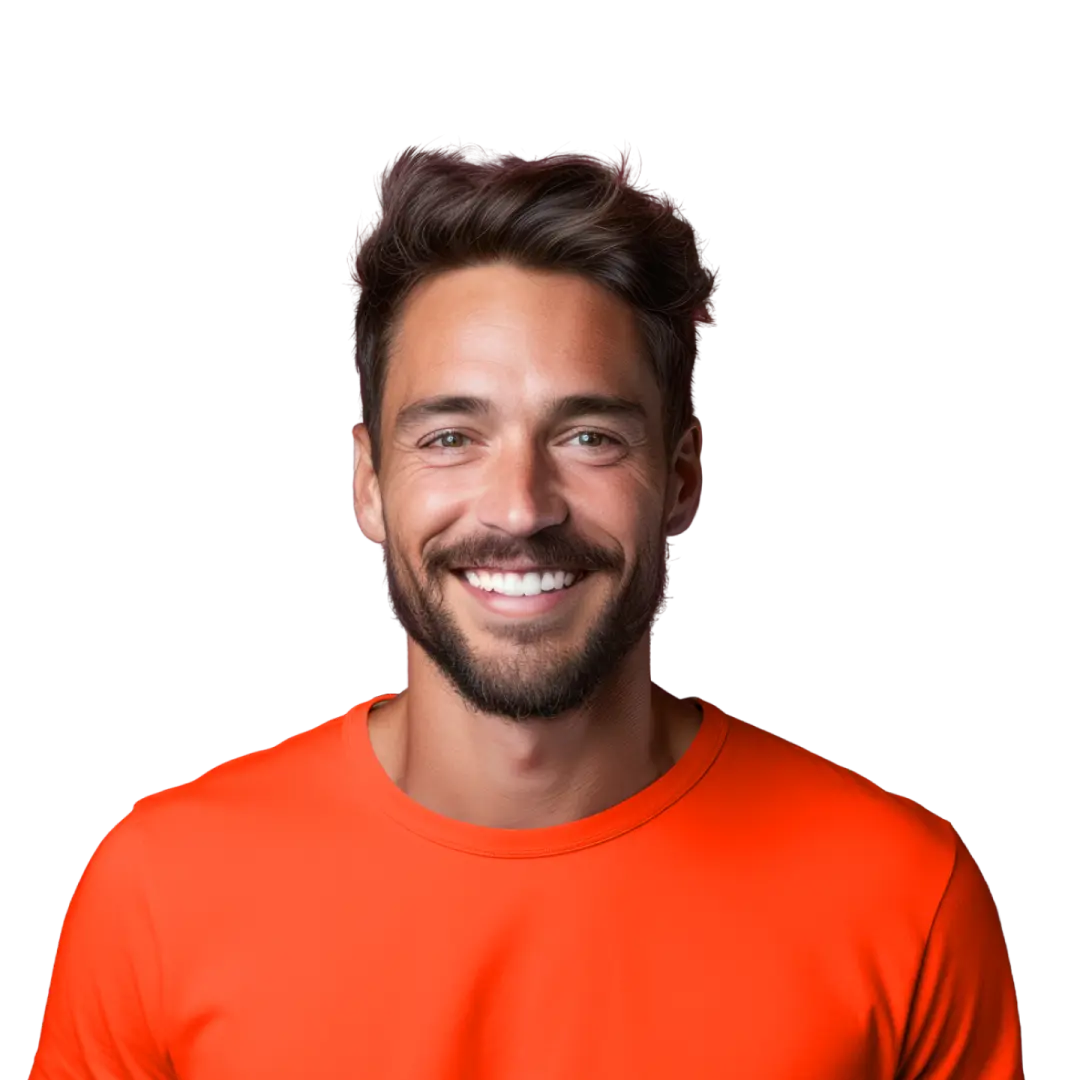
x,y
488,770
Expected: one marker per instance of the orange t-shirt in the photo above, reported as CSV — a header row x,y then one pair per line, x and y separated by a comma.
x,y
756,912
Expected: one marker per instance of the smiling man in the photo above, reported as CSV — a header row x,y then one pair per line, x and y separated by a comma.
x,y
533,862
524,494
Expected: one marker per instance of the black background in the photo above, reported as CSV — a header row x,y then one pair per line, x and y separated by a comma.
x,y
840,585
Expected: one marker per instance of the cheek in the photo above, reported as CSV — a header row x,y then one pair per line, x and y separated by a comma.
x,y
422,506
430,497
628,512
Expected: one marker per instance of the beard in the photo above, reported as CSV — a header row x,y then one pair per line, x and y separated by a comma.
x,y
542,677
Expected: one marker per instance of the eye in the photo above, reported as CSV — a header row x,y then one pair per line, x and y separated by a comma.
x,y
453,439
598,440
439,441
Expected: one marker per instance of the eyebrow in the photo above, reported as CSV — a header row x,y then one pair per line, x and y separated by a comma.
x,y
565,408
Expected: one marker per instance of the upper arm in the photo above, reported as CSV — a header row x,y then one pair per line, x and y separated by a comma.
x,y
103,1014
963,1022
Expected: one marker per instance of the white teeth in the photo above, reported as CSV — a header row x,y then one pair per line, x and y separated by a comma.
x,y
509,583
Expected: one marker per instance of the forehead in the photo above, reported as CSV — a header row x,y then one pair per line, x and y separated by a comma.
x,y
499,330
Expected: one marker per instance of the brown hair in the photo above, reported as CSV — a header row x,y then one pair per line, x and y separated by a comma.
x,y
440,210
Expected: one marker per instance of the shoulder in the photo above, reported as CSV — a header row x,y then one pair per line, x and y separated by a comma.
x,y
300,776
831,821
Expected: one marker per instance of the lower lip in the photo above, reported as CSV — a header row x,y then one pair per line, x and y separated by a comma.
x,y
519,605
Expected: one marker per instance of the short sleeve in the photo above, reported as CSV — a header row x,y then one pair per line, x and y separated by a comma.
x,y
103,1013
963,1023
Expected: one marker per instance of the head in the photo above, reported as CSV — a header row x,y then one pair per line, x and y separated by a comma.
x,y
525,337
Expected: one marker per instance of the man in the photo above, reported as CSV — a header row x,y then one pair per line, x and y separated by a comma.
x,y
533,862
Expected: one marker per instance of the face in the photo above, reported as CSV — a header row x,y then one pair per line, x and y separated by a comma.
x,y
524,498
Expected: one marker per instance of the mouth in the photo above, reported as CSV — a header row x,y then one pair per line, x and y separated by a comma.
x,y
520,593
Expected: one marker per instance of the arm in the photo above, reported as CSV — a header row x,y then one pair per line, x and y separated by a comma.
x,y
963,1023
103,1014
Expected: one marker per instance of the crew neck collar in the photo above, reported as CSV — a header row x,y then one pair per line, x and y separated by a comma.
x,y
380,791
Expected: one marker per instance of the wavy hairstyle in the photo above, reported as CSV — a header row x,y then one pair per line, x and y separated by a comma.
x,y
440,210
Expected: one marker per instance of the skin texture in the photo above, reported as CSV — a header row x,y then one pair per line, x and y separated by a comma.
x,y
518,720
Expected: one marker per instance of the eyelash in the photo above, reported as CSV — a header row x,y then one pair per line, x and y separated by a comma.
x,y
430,444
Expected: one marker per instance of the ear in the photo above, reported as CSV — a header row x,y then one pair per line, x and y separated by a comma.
x,y
367,497
684,480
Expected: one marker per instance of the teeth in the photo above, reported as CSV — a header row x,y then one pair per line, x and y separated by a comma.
x,y
509,583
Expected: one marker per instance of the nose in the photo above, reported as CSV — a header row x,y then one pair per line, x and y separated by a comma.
x,y
521,490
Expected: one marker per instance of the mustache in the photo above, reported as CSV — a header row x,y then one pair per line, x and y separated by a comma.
x,y
544,550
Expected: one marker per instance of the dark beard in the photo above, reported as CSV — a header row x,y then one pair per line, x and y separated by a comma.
x,y
550,677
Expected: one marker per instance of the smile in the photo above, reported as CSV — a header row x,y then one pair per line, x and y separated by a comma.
x,y
520,594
